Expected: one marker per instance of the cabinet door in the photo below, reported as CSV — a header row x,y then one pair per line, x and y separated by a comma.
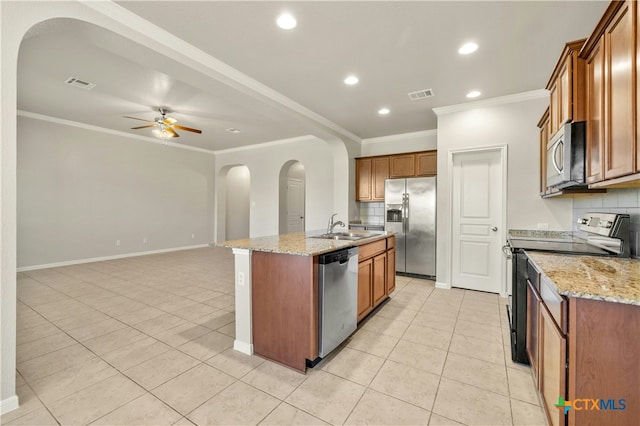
x,y
619,146
391,270
595,113
402,165
365,281
426,163
380,167
553,366
379,278
565,96
533,321
554,108
363,179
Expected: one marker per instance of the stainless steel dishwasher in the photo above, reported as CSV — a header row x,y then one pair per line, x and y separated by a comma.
x,y
338,298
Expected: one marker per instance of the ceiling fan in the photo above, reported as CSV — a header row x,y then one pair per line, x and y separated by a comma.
x,y
165,127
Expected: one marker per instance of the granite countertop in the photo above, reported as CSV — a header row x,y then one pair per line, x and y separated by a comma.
x,y
592,277
300,243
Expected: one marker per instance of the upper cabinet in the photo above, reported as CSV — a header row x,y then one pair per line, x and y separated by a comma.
x,y
613,155
371,172
567,85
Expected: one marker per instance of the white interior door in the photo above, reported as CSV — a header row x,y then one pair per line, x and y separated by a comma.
x,y
295,205
477,216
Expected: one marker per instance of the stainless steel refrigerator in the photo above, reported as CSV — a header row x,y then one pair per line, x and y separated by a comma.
x,y
410,212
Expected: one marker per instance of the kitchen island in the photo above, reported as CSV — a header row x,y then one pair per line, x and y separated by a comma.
x,y
583,336
276,290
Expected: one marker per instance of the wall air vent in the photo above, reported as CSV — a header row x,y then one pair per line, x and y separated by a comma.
x,y
79,83
421,94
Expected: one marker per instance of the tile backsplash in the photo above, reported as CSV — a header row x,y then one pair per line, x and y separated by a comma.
x,y
372,213
626,200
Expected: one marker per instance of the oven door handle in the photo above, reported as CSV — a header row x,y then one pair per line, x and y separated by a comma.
x,y
506,250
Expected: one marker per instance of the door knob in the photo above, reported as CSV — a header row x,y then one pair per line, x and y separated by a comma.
x,y
494,229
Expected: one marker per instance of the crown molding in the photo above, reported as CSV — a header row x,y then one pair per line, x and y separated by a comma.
x,y
119,133
400,136
501,100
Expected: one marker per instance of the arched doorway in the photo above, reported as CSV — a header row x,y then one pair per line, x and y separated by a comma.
x,y
292,198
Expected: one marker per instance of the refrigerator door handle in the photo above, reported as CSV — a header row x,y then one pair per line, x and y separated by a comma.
x,y
405,213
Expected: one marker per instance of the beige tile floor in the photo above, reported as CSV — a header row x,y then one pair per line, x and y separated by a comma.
x,y
148,341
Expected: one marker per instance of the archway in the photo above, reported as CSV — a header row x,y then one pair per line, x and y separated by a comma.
x,y
291,198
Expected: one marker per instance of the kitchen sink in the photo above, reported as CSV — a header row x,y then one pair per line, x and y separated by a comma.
x,y
349,236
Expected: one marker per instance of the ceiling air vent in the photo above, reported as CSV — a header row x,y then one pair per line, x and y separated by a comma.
x,y
421,94
79,83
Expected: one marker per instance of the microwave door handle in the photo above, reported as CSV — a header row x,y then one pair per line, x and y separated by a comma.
x,y
554,156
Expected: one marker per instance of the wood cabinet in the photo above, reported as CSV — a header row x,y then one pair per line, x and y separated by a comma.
x,y
553,359
544,124
374,270
370,176
583,349
612,97
365,280
567,88
402,166
371,172
427,163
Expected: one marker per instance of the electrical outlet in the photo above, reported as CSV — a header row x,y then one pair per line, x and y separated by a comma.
x,y
543,226
144,240
193,236
240,278
117,243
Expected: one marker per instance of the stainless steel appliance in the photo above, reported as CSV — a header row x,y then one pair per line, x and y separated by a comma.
x,y
338,298
410,212
601,234
566,157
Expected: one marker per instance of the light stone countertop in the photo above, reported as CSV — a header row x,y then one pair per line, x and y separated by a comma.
x,y
592,277
300,243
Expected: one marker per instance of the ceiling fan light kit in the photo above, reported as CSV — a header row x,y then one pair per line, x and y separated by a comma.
x,y
164,127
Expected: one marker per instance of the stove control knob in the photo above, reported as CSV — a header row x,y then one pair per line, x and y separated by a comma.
x,y
583,221
607,224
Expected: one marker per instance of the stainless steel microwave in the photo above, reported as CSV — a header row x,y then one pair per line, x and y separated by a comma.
x,y
566,157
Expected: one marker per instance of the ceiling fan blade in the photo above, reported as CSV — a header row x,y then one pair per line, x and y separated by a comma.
x,y
188,129
135,118
173,132
143,127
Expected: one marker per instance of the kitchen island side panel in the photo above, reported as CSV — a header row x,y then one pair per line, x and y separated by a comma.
x,y
285,307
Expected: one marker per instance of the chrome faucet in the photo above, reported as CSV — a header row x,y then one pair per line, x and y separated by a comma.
x,y
333,224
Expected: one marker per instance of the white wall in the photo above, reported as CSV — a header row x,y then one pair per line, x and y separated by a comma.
x,y
80,190
265,163
406,142
507,121
237,203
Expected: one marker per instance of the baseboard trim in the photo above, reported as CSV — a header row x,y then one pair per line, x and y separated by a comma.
x,y
9,404
245,348
100,259
442,285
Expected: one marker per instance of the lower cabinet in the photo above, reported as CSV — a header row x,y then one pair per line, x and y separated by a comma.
x,y
376,272
553,367
583,350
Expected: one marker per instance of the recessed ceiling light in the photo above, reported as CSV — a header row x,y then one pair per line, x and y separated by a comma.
x,y
286,21
384,111
232,130
351,80
473,94
468,48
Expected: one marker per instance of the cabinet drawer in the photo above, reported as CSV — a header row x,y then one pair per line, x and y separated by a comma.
x,y
556,304
368,250
391,242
